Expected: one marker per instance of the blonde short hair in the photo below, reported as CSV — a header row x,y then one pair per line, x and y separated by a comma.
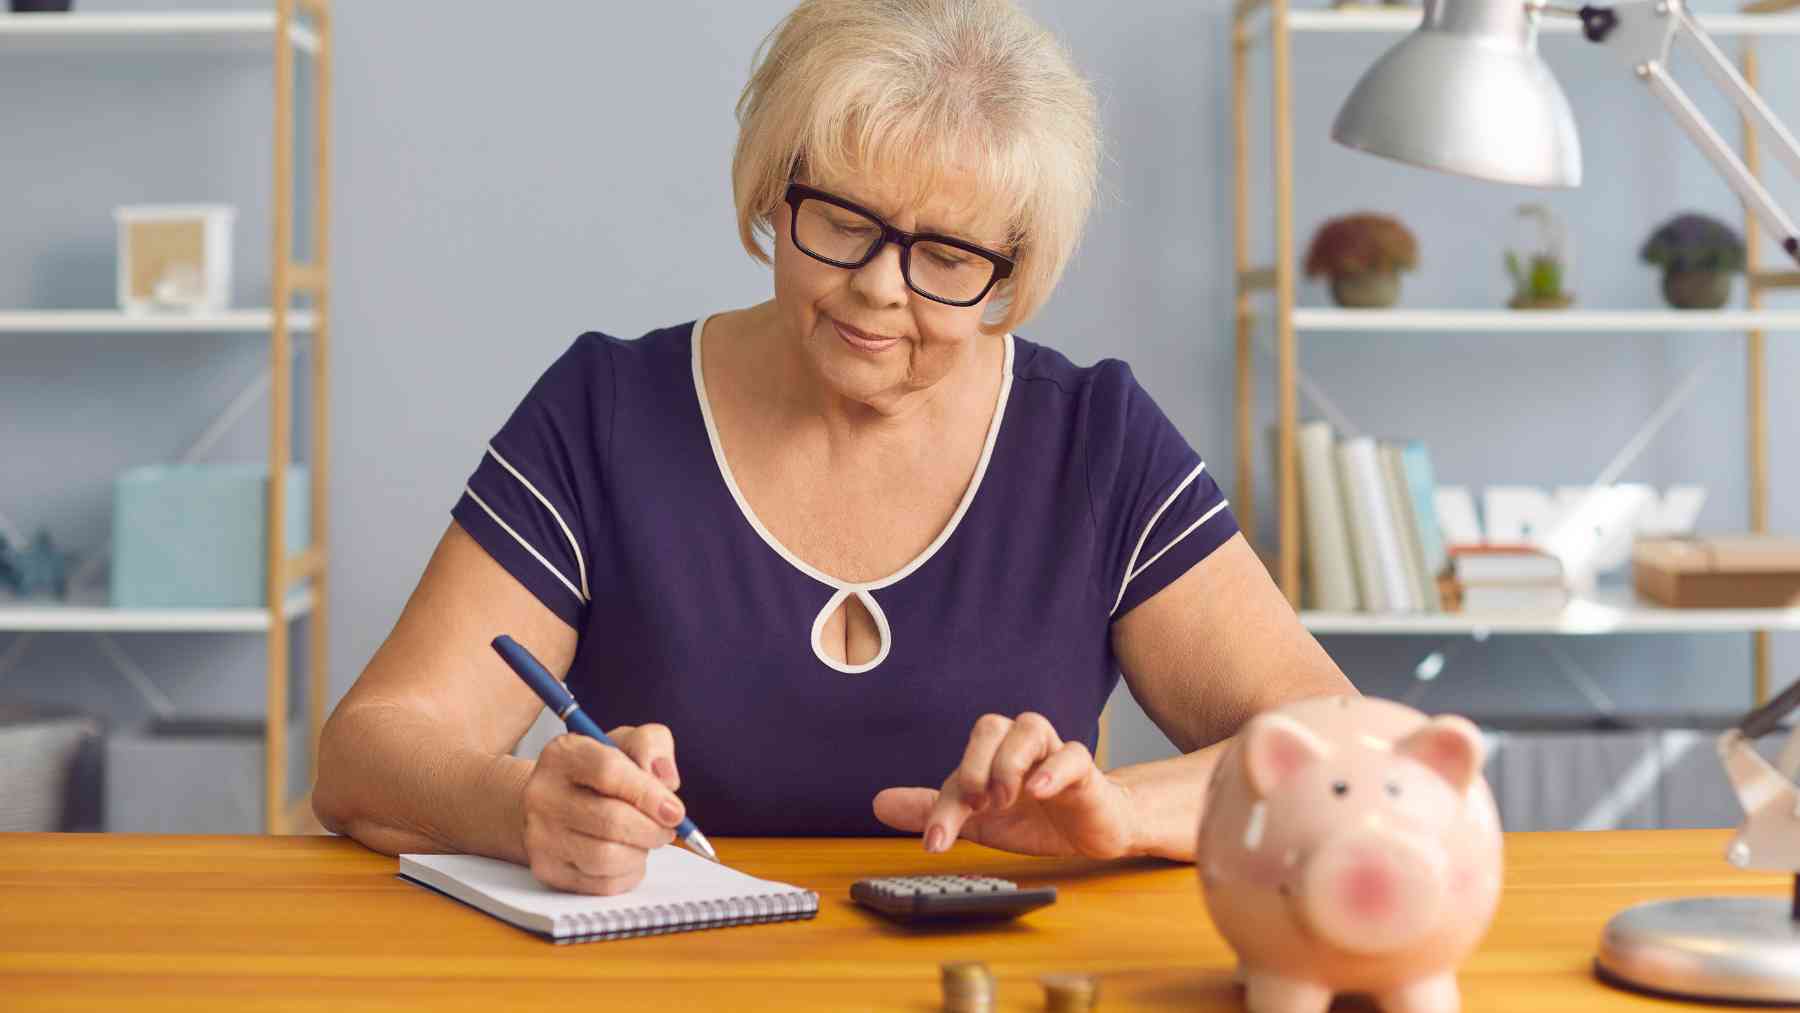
x,y
911,90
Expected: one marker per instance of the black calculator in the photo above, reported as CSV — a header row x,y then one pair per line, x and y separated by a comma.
x,y
949,898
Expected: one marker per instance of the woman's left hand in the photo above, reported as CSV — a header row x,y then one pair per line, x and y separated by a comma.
x,y
1020,788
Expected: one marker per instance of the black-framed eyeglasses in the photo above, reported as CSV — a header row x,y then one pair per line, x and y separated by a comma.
x,y
841,233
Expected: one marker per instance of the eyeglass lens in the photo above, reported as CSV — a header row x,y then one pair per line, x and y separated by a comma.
x,y
843,237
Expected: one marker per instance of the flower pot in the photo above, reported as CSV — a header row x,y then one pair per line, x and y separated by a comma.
x,y
1560,301
1366,289
1697,290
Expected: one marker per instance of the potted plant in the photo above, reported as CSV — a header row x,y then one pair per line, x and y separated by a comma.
x,y
1363,255
1539,261
1698,255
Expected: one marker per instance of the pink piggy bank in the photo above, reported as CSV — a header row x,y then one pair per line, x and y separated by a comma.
x,y
1350,844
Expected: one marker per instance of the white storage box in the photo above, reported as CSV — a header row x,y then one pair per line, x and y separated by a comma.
x,y
174,257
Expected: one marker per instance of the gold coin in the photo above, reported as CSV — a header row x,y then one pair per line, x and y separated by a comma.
x,y
968,987
1070,993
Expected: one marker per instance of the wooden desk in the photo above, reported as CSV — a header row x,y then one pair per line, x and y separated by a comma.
x,y
232,923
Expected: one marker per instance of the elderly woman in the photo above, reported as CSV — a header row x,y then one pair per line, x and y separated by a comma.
x,y
816,554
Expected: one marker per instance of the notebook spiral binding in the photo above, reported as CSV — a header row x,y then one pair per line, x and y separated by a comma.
x,y
656,919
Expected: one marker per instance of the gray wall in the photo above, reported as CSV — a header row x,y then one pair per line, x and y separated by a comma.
x,y
500,189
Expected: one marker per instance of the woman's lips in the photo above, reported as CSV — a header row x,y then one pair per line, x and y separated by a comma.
x,y
858,340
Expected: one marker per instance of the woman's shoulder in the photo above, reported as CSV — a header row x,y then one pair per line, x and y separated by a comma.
x,y
602,349
1050,372
596,358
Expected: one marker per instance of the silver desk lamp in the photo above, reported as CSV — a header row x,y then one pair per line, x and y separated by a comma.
x,y
1467,93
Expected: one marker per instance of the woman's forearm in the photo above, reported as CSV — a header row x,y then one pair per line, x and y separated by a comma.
x,y
1167,799
394,779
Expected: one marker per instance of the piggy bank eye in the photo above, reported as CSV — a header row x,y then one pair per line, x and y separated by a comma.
x,y
1340,788
1393,789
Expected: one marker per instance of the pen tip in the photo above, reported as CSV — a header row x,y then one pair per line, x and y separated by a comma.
x,y
698,844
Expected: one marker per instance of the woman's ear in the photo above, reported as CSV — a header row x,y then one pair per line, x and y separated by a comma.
x,y
1450,746
1275,748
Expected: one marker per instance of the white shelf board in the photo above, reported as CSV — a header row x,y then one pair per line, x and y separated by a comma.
x,y
171,31
36,616
1395,22
1608,610
1557,321
115,322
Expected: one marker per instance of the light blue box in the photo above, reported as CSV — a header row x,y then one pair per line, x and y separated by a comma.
x,y
191,536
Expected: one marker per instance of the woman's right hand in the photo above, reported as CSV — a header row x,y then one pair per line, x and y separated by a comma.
x,y
592,812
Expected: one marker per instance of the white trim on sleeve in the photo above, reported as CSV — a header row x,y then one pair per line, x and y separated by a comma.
x,y
579,595
1132,569
570,535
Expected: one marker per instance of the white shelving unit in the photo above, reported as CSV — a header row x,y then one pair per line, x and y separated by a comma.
x,y
296,586
1547,321
253,321
250,32
1605,611
1274,23
95,616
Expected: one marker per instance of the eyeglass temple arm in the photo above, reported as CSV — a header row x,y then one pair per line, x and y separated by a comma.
x,y
1642,33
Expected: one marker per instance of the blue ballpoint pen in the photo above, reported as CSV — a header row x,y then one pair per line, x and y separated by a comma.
x,y
562,703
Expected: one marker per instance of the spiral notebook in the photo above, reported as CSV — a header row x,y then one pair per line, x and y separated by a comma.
x,y
681,891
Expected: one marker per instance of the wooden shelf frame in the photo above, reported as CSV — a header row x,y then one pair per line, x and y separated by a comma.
x,y
282,814
1274,22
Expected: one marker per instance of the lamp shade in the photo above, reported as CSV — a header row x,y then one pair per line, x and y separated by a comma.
x,y
1467,93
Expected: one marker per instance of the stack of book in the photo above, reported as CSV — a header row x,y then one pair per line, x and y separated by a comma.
x,y
1373,541
1503,578
1372,537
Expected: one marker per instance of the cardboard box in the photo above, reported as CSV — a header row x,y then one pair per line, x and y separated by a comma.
x,y
1719,571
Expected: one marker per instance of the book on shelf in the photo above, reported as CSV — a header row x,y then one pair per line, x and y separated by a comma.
x,y
1329,560
1499,563
1371,501
1514,597
1505,577
1421,483
1372,537
1424,584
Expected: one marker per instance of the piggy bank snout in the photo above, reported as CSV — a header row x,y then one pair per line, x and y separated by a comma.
x,y
1373,890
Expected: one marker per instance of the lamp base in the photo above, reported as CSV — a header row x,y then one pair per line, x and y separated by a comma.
x,y
1739,949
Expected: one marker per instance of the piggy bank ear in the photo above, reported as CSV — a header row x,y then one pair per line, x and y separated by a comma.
x,y
1449,745
1275,748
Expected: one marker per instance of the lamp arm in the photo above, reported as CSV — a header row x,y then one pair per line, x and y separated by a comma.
x,y
1643,32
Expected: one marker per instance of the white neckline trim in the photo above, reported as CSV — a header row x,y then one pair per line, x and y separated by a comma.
x,y
881,627
737,495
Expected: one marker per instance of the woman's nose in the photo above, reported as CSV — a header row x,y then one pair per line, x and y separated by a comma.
x,y
880,280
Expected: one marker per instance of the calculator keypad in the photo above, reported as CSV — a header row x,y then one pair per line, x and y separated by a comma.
x,y
910,886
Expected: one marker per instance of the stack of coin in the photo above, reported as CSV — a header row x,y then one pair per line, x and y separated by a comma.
x,y
968,987
1070,993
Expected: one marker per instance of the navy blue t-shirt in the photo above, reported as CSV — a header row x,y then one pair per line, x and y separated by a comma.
x,y
607,496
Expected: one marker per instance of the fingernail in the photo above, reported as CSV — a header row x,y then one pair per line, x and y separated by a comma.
x,y
670,811
662,768
934,840
1040,782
